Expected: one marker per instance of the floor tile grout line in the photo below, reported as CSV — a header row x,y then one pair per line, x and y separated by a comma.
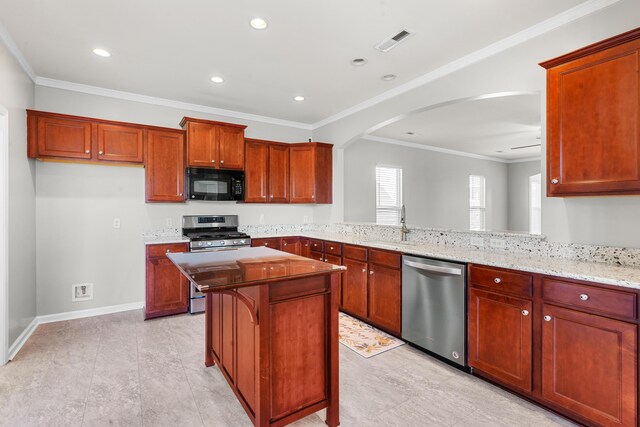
x,y
139,378
187,378
93,373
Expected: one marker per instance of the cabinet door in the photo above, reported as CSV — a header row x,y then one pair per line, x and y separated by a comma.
x,y
291,245
165,167
384,290
354,287
500,337
589,366
67,138
305,248
201,145
594,124
228,335
118,143
167,290
256,172
231,148
278,173
302,179
216,323
269,242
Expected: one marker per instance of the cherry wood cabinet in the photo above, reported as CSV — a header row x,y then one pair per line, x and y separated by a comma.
x,y
83,139
384,293
167,290
311,173
266,171
305,247
593,119
354,287
291,245
569,345
165,166
501,337
214,144
589,365
270,242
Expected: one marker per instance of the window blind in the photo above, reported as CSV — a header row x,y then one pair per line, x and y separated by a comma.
x,y
388,195
477,202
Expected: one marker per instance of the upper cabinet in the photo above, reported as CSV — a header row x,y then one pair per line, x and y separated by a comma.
x,y
593,119
165,166
266,171
311,173
59,136
214,144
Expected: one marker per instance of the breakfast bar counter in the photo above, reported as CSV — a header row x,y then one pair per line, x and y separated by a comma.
x,y
272,329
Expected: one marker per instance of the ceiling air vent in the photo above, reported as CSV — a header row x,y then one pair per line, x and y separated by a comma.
x,y
390,42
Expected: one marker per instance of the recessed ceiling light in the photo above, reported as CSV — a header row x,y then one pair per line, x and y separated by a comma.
x,y
388,77
217,79
358,62
298,98
410,133
258,23
101,52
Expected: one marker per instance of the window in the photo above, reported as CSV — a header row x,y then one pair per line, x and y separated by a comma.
x,y
388,195
477,203
535,204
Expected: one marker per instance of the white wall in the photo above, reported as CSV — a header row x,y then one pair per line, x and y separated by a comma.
x,y
76,205
17,94
435,185
588,220
518,196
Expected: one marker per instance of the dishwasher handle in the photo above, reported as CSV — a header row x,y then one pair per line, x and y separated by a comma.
x,y
434,268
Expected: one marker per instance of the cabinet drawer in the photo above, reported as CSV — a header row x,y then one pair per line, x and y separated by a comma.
x,y
333,248
380,257
271,242
332,259
160,250
590,298
355,252
317,255
317,245
499,280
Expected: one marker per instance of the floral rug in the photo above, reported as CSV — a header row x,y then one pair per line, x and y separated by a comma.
x,y
364,339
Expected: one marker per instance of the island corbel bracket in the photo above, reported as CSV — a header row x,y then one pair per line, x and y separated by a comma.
x,y
243,299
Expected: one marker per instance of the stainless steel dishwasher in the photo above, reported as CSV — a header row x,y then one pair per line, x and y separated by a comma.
x,y
434,306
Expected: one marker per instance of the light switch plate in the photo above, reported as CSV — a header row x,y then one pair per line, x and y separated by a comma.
x,y
116,222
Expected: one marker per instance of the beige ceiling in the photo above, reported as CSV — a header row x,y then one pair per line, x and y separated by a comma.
x,y
170,49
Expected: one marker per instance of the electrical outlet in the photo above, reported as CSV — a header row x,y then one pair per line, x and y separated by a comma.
x,y
261,218
81,292
305,219
116,222
477,241
169,222
498,243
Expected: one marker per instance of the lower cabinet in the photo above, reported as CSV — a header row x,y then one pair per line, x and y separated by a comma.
x,y
500,337
167,290
589,365
354,287
584,363
291,245
270,242
385,290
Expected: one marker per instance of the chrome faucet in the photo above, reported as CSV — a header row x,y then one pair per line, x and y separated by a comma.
x,y
403,220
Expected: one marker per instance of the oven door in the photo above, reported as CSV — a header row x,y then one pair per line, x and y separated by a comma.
x,y
211,184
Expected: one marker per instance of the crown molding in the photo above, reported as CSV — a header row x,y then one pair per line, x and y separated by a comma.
x,y
130,96
15,51
526,159
527,34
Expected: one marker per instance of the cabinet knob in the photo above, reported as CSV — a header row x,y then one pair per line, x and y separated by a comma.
x,y
100,152
272,196
313,196
364,270
221,161
284,244
331,248
371,272
264,197
181,194
87,151
525,312
584,297
266,244
213,161
555,181
547,318
168,250
306,244
320,259
497,280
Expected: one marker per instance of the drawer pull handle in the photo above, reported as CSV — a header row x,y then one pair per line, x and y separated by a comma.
x,y
547,318
525,312
584,297
497,280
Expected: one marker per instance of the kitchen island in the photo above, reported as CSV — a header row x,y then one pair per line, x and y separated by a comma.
x,y
272,328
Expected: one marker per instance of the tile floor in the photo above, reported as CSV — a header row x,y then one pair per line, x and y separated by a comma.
x,y
120,370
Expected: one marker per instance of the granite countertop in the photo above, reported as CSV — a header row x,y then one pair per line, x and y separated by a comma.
x,y
234,268
163,240
611,274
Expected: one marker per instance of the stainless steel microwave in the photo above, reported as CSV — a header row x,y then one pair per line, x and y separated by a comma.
x,y
214,184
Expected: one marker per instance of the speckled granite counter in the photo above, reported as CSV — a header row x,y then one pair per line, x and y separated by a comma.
x,y
611,274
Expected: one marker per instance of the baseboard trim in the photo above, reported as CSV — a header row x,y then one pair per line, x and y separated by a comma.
x,y
24,336
69,315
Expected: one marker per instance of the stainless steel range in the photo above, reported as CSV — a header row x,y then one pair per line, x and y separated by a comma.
x,y
211,233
